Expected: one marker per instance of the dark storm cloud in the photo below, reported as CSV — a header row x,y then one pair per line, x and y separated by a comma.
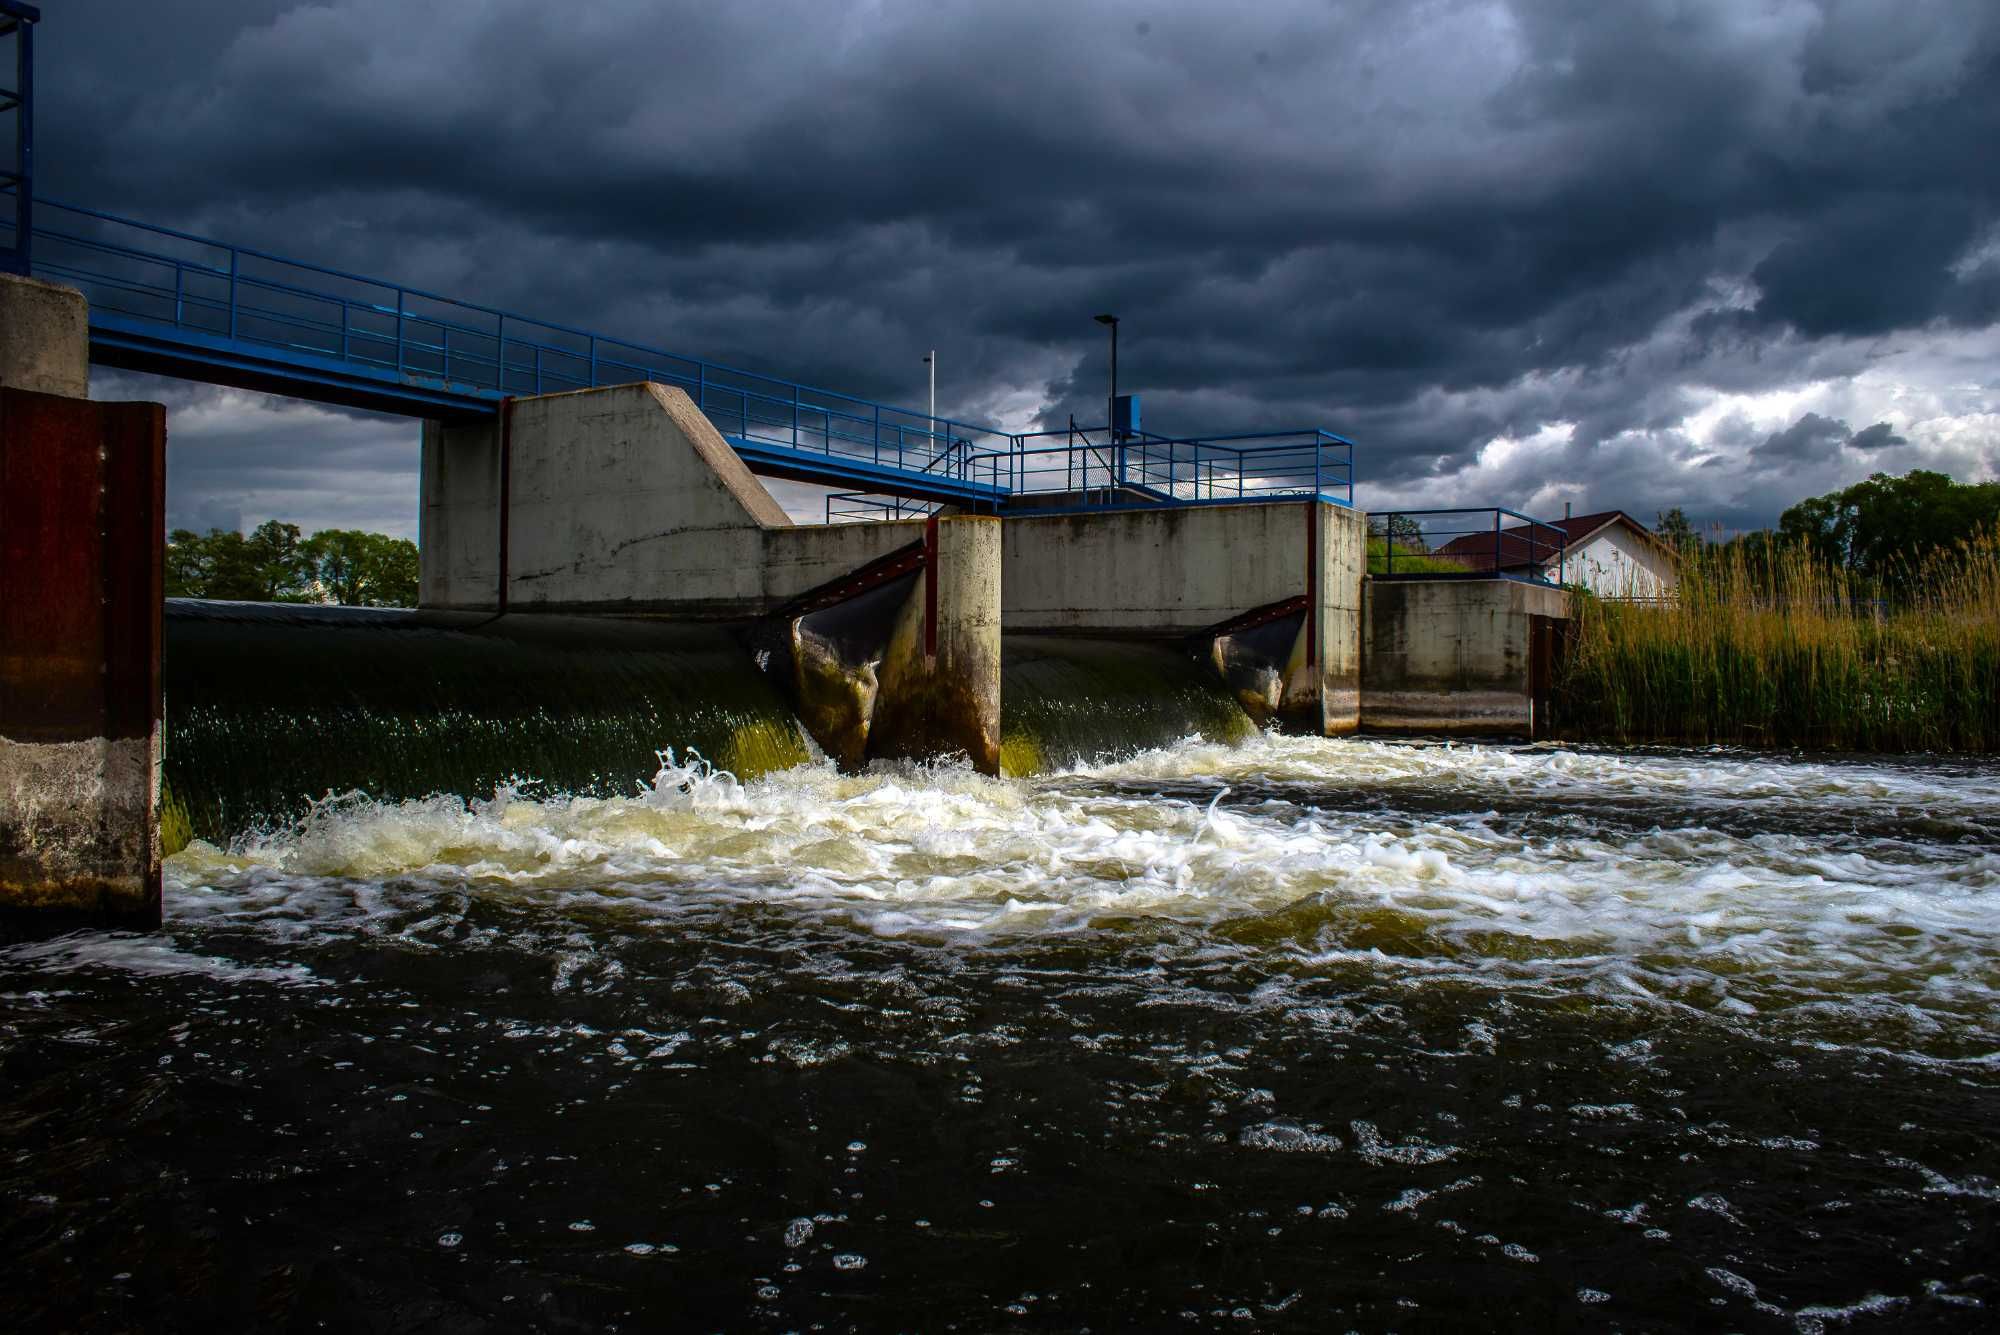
x,y
1426,227
1881,436
1808,440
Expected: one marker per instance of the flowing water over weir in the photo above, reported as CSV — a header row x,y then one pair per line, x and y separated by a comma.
x,y
1256,1032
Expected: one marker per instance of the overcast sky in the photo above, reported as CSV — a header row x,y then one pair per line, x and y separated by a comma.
x,y
1636,254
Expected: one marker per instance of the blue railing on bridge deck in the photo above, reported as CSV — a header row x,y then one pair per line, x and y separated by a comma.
x,y
852,507
1077,468
162,299
322,323
1088,470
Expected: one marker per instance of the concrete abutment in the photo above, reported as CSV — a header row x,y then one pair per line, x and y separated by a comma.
x,y
1457,656
1266,593
627,501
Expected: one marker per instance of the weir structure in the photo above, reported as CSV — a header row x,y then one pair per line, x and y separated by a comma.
x,y
566,473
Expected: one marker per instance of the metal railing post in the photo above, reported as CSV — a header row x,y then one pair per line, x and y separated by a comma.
x,y
232,291
1496,542
593,363
500,361
399,330
180,293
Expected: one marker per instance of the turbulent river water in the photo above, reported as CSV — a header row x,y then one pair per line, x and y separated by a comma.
x,y
1283,1034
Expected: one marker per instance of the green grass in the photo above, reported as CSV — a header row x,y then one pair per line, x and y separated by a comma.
x,y
1782,651
1409,560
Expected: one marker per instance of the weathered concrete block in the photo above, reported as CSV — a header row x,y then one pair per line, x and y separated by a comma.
x,y
1292,567
458,523
44,337
1453,656
940,680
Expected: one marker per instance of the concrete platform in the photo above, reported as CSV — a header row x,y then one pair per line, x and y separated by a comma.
x,y
1454,656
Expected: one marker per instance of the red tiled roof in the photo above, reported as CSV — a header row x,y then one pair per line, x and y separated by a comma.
x,y
1527,546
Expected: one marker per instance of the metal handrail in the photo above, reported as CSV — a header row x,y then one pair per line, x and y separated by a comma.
x,y
1176,470
314,315
1481,545
500,353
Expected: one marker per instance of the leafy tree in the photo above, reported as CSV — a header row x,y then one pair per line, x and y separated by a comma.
x,y
1879,527
1672,527
1401,530
273,564
363,569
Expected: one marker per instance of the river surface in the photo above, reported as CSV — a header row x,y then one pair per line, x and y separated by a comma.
x,y
1286,1035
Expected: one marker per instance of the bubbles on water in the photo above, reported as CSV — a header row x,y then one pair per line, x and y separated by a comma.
x,y
1716,1204
582,1226
850,1261
449,1240
798,1232
1369,1144
1288,1137
1333,854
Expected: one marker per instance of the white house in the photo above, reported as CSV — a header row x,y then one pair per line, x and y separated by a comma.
x,y
1610,553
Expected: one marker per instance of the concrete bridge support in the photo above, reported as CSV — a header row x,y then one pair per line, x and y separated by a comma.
x,y
1462,657
1268,593
82,511
627,501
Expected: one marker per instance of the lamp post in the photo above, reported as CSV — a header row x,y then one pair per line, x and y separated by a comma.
x,y
930,360
1111,401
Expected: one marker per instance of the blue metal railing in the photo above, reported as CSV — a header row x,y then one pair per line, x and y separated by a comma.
x,y
17,182
138,275
162,299
1087,467
1482,542
852,507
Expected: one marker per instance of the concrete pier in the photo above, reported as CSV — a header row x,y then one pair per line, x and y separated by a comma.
x,y
627,500
82,529
1457,656
1268,593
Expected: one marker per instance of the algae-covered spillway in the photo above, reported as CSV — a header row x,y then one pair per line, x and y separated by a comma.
x,y
271,707
1195,1026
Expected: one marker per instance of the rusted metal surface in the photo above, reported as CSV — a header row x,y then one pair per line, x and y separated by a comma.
x,y
1549,641
895,565
1256,616
82,532
930,588
506,500
1312,582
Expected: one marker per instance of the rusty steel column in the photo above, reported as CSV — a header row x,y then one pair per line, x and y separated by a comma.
x,y
82,532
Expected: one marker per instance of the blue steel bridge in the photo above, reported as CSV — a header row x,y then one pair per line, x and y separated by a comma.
x,y
172,303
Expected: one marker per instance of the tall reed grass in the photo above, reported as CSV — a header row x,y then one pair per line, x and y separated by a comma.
x,y
1776,649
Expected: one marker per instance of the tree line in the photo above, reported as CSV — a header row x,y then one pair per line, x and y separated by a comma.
x,y
274,564
1880,530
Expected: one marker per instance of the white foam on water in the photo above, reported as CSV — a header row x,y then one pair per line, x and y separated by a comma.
x,y
1683,914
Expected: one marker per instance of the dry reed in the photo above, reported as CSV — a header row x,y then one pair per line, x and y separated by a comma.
x,y
1775,649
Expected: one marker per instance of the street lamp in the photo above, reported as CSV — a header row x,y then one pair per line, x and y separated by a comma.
x,y
930,360
1111,401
